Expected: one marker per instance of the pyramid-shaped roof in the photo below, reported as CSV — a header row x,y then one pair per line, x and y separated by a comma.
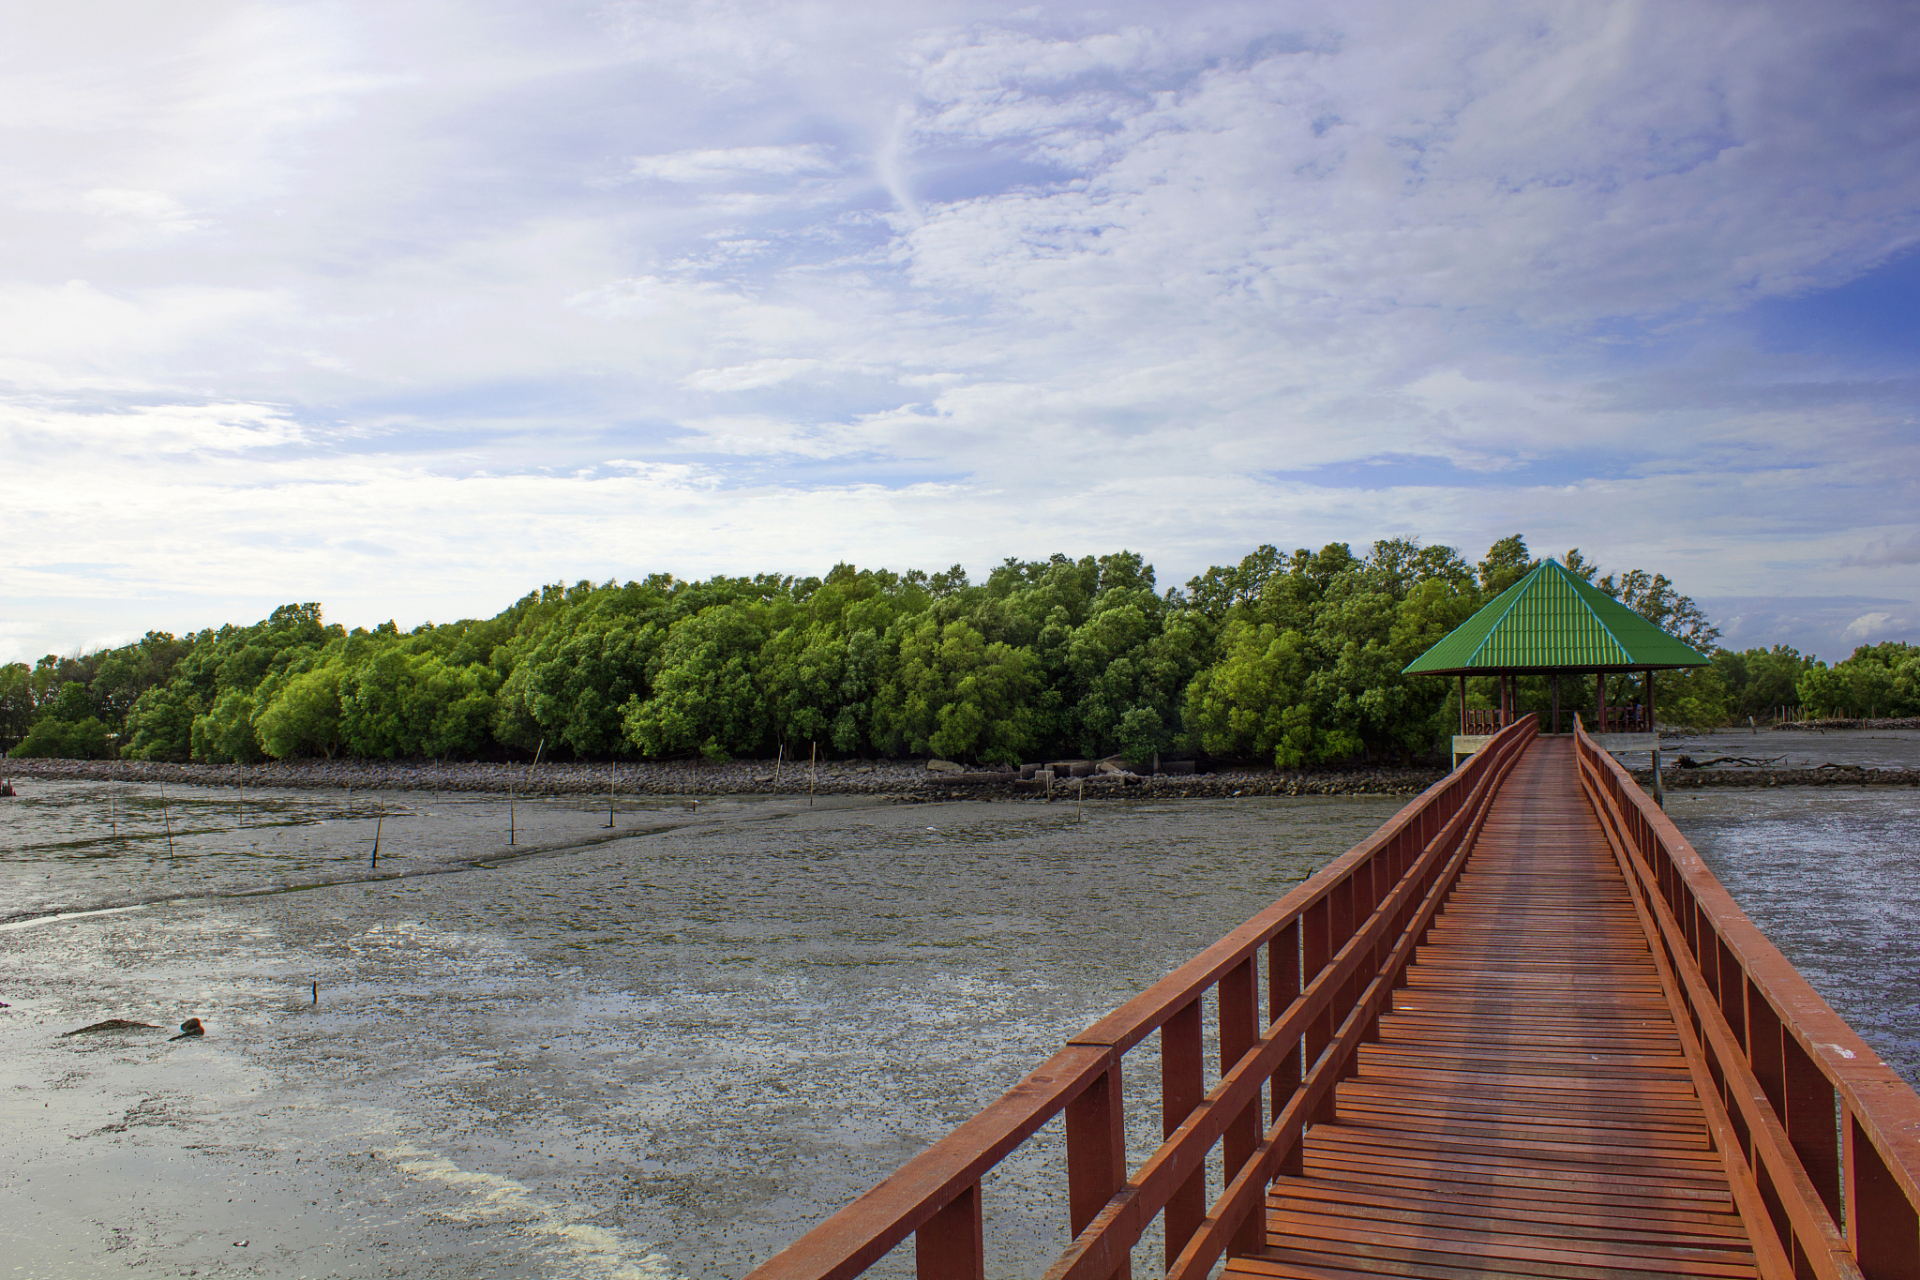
x,y
1550,620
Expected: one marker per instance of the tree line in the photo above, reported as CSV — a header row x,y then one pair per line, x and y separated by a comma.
x,y
1292,660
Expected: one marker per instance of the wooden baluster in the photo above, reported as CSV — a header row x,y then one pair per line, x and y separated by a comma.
x,y
1283,988
1764,1051
1812,1121
1881,1224
1344,923
1315,947
951,1245
1732,991
1239,1029
1096,1153
1182,1086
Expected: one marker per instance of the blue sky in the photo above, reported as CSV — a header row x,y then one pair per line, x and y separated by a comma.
x,y
408,308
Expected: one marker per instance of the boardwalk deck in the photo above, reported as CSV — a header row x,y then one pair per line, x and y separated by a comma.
x,y
1518,1031
1527,1110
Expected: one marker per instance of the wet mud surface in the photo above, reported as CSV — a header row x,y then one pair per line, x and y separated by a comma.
x,y
669,1052
1797,749
663,1055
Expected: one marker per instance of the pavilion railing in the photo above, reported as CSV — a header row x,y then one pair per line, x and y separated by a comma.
x,y
1335,949
1486,720
1820,1137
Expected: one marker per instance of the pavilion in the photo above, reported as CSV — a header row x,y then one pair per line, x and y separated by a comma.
x,y
1553,623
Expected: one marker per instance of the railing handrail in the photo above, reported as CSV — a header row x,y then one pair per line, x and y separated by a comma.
x,y
937,1191
1147,1012
1863,1164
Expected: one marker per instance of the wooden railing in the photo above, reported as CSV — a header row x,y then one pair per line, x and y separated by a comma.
x,y
1821,1139
1485,720
1335,949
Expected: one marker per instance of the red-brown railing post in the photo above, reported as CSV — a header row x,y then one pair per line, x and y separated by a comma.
x,y
1881,1226
1283,988
1239,1029
1812,1122
1096,1150
951,1245
1316,946
1182,1086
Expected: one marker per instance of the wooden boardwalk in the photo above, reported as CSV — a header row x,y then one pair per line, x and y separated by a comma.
x,y
1518,1031
1527,1110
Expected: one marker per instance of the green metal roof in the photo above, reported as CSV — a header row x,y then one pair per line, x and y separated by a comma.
x,y
1552,621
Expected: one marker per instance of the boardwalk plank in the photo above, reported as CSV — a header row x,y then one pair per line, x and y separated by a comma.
x,y
1526,1110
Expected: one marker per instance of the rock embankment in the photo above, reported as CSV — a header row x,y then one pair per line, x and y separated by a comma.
x,y
905,780
1826,776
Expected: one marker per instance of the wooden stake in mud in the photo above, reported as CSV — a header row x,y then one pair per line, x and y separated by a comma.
x,y
813,760
778,759
613,775
512,828
1079,794
166,818
378,820
113,814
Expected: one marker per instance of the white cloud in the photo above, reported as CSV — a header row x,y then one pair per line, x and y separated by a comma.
x,y
1869,625
1888,551
154,208
746,377
731,162
944,281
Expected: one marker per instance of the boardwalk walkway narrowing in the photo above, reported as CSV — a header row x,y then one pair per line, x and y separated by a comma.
x,y
1518,1031
1528,1109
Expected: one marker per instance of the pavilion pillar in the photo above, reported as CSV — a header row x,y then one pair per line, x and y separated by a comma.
x,y
1463,704
1600,701
1648,678
1554,688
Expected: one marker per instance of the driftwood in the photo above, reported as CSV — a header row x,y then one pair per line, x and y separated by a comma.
x,y
1752,762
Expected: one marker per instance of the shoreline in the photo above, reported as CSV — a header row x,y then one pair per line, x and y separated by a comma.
x,y
899,781
1677,779
891,781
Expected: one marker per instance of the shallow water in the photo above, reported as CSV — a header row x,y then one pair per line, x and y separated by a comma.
x,y
669,1053
1831,876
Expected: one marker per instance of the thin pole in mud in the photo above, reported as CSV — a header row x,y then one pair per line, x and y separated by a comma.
x,y
316,995
778,760
613,776
512,825
1079,794
113,814
378,820
813,760
166,818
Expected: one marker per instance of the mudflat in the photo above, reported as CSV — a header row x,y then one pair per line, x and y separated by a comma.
x,y
658,1050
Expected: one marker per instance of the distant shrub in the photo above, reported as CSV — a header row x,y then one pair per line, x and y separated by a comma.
x,y
53,739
